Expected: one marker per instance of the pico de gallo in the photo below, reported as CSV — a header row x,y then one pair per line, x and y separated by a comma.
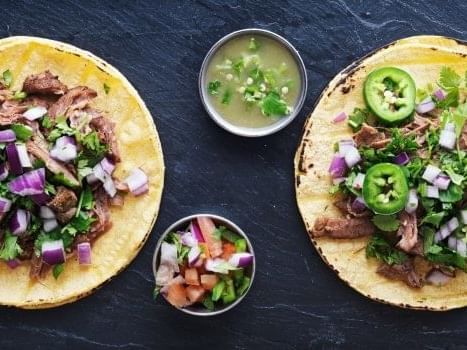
x,y
204,264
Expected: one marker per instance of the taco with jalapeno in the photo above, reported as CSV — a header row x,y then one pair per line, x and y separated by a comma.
x,y
81,172
381,174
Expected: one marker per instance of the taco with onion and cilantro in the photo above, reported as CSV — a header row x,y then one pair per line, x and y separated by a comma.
x,y
392,157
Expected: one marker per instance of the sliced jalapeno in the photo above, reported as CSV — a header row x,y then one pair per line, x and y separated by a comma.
x,y
385,188
390,94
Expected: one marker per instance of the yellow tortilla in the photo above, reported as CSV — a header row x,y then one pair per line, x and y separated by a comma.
x,y
139,147
422,57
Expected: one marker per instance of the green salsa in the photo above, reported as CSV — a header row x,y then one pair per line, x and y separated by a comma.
x,y
253,81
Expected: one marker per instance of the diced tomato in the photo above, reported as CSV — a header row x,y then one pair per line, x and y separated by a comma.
x,y
209,281
191,277
207,229
195,293
227,250
177,295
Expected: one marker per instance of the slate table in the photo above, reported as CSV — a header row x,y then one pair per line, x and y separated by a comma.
x,y
296,302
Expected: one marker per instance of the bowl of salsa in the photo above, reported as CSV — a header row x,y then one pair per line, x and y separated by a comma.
x,y
203,265
253,82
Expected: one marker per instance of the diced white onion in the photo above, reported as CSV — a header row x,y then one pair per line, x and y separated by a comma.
x,y
412,202
35,113
50,224
430,173
453,224
345,145
352,157
432,192
452,243
464,216
447,139
358,181
23,156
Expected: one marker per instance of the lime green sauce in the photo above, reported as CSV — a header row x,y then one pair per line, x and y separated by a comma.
x,y
253,81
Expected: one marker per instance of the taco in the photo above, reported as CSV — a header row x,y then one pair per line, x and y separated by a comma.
x,y
81,172
381,174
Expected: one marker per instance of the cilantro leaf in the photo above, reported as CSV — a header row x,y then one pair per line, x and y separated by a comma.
x,y
46,122
380,249
386,223
453,194
10,248
449,80
238,66
434,218
7,78
57,270
227,97
357,118
213,87
61,128
272,104
445,256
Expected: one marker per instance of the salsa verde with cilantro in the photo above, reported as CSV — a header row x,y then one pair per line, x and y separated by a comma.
x,y
253,81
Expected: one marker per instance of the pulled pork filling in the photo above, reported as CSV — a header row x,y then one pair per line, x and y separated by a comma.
x,y
56,173
403,186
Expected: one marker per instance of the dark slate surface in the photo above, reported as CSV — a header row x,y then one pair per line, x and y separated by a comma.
x,y
296,302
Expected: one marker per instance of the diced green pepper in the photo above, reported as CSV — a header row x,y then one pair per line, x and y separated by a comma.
x,y
230,236
218,290
208,303
240,245
237,276
229,295
244,286
23,132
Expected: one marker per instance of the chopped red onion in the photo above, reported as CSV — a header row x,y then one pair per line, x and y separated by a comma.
x,y
358,205
241,259
412,202
189,239
196,231
46,213
109,186
452,242
461,247
345,145
338,167
141,190
447,139
35,113
432,192
3,171
53,252
107,165
19,222
358,181
464,216
425,106
13,159
136,180
193,255
40,199
450,127
5,205
91,179
453,224
30,183
438,237
402,158
352,157
169,255
84,253
7,135
442,182
13,263
219,266
65,149
164,275
50,225
23,156
440,94
340,117
437,278
430,173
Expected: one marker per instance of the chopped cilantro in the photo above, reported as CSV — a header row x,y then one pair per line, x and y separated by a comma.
x,y
106,88
450,81
19,95
46,122
380,249
272,105
61,128
92,142
357,118
445,256
386,223
7,78
253,45
213,87
227,97
453,194
434,218
238,66
10,248
57,270
86,200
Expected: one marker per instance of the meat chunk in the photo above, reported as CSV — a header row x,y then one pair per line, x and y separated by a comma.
x,y
370,136
64,200
64,217
37,149
12,107
342,228
106,131
35,271
463,138
76,98
44,83
101,213
403,272
345,206
407,231
8,119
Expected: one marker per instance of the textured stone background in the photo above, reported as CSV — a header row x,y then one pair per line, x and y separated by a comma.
x,y
296,302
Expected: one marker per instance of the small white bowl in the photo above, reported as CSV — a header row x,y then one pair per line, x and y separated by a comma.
x,y
218,220
244,131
